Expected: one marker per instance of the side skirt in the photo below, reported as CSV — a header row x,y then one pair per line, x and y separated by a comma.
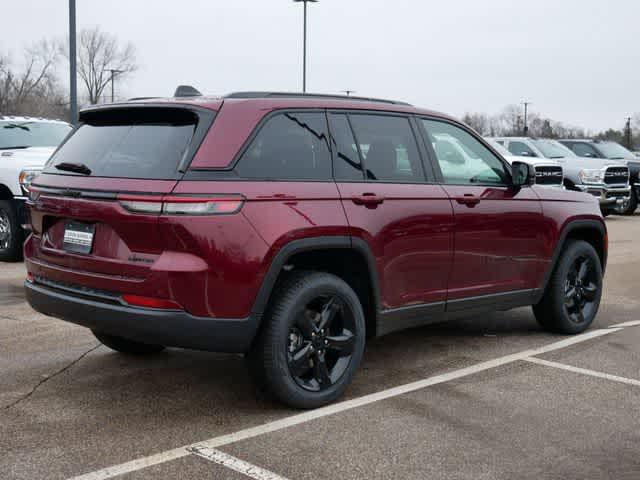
x,y
418,315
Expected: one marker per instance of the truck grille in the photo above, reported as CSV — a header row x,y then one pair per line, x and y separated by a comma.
x,y
549,175
616,175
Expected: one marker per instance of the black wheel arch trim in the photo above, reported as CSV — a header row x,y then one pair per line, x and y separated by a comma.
x,y
309,244
573,225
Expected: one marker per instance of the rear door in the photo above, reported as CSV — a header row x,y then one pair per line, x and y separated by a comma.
x,y
95,208
406,221
499,230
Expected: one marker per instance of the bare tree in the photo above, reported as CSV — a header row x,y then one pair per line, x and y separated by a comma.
x,y
98,53
32,88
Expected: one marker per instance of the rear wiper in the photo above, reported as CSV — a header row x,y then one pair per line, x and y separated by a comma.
x,y
14,148
74,167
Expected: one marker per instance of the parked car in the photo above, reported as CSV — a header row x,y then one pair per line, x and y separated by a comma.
x,y
548,172
607,180
291,227
25,145
612,151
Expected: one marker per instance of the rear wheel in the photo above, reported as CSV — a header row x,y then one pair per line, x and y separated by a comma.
x,y
10,233
124,345
573,294
312,340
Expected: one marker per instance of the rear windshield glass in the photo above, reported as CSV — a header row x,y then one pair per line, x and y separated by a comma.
x,y
25,134
136,143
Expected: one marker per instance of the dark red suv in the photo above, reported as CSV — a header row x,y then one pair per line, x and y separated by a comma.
x,y
290,227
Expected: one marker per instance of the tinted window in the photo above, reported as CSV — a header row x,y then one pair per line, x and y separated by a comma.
x,y
584,150
32,134
521,149
389,148
462,158
347,163
131,144
289,146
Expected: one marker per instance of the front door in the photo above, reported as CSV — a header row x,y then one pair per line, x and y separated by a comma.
x,y
500,230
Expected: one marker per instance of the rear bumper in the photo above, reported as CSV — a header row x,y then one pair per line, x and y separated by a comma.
x,y
168,328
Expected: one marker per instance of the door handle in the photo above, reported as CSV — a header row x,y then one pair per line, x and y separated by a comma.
x,y
369,200
469,200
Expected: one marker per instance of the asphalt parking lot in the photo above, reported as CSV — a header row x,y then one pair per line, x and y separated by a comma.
x,y
481,398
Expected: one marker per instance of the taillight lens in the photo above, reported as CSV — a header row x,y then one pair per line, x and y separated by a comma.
x,y
150,302
182,205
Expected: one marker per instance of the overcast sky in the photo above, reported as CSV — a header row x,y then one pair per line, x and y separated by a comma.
x,y
578,61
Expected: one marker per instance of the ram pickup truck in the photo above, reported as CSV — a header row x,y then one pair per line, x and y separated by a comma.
x,y
607,180
25,145
549,173
602,149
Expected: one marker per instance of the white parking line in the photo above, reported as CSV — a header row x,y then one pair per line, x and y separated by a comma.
x,y
584,371
633,323
234,463
305,417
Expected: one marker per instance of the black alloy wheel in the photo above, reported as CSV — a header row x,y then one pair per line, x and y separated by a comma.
x,y
321,343
581,289
572,296
311,340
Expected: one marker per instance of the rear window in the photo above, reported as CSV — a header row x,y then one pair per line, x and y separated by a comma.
x,y
149,143
290,145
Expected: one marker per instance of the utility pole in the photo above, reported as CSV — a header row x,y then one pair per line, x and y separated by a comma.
x,y
525,129
627,132
114,72
304,47
73,85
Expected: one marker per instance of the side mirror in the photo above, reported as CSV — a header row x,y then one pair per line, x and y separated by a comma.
x,y
523,174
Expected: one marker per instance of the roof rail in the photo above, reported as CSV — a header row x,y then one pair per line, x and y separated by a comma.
x,y
311,95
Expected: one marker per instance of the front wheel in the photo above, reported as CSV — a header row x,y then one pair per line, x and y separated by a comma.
x,y
573,294
630,206
124,345
10,233
312,340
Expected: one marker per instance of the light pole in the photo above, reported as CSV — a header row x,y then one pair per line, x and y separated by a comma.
x,y
526,125
304,48
73,86
114,72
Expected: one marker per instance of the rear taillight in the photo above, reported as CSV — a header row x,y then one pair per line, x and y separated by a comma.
x,y
182,205
150,302
29,277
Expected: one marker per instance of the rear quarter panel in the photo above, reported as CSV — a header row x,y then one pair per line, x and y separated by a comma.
x,y
240,251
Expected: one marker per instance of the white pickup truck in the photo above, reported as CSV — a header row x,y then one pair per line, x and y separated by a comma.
x,y
25,145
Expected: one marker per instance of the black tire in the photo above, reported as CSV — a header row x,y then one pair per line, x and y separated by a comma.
x,y
605,212
632,206
571,300
315,327
10,233
124,345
